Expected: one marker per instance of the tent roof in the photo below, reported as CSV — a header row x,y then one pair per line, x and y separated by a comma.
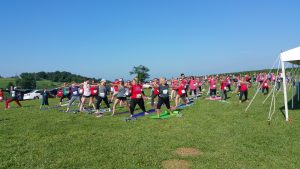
x,y
292,56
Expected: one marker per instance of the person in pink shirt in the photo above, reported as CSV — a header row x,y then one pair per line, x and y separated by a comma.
x,y
212,87
174,85
199,84
193,86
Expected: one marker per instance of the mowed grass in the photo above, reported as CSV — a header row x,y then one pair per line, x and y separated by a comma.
x,y
226,135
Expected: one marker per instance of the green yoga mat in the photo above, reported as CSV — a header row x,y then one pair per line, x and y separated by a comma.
x,y
164,115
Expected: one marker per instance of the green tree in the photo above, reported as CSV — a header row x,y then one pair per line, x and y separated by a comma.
x,y
26,81
141,72
9,85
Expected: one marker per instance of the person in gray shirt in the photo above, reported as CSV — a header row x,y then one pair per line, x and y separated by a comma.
x,y
102,95
121,96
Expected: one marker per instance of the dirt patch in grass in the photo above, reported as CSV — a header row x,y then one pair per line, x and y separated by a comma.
x,y
188,152
176,164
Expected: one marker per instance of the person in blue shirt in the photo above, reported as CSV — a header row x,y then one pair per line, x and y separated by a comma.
x,y
74,95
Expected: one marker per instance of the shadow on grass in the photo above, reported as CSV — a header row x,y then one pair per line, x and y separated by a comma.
x,y
296,105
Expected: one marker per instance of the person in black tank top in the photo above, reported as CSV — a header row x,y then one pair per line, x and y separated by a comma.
x,y
163,97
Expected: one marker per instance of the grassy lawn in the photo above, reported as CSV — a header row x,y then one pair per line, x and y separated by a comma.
x,y
226,136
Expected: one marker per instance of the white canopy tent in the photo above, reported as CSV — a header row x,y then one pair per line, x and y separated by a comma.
x,y
291,56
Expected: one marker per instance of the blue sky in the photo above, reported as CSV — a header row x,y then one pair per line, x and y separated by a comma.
x,y
100,38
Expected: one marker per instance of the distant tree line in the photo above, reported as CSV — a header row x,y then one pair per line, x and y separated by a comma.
x,y
28,80
60,77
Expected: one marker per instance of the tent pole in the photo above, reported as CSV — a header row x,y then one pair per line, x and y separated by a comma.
x,y
293,73
284,91
298,84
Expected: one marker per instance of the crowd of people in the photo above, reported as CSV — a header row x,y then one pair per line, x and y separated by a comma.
x,y
131,93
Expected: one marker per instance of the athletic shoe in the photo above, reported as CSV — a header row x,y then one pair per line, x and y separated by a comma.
x,y
99,116
109,109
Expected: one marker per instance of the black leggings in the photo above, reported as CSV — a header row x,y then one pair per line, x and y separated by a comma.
x,y
65,96
263,90
191,92
200,89
213,92
165,101
134,102
153,96
244,93
99,100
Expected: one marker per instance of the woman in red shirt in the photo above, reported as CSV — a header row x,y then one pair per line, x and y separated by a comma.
x,y
243,89
181,93
265,86
223,88
137,97
1,95
155,91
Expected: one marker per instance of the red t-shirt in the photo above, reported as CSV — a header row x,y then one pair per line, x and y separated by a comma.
x,y
265,84
60,93
156,91
94,90
181,90
244,87
136,91
184,82
1,96
116,89
223,84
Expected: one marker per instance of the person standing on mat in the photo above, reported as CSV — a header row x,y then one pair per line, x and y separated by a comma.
x,y
103,92
121,96
193,87
137,97
213,87
86,94
66,93
174,85
163,97
181,93
75,95
155,91
223,88
15,95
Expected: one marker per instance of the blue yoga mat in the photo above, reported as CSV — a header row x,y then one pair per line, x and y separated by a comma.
x,y
143,113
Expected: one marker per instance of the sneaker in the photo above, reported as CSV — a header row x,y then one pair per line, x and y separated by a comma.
x,y
109,109
99,116
146,113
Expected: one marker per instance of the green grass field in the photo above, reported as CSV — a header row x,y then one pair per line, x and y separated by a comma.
x,y
226,136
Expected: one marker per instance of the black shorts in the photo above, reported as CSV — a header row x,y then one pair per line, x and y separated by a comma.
x,y
163,100
122,98
86,96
